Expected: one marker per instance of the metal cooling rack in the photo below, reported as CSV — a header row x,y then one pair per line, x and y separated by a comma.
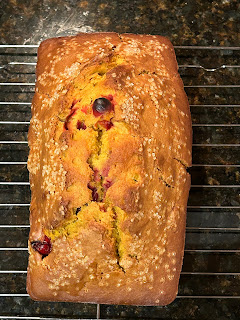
x,y
211,270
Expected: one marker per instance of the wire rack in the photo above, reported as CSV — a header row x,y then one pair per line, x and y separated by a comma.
x,y
210,278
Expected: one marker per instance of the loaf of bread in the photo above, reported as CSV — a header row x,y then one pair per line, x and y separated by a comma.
x,y
110,141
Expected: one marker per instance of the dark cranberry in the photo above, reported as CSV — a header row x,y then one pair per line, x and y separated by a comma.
x,y
100,106
43,247
81,125
106,124
94,191
95,194
90,186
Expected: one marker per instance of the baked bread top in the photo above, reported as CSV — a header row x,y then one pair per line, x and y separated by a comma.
x,y
110,140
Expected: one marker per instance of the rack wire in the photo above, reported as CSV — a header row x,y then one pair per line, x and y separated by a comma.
x,y
211,272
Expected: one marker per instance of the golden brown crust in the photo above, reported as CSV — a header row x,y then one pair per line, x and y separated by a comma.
x,y
131,240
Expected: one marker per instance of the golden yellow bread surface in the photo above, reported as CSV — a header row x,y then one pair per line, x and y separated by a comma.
x,y
109,190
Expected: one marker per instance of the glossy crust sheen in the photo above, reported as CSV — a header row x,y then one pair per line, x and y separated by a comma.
x,y
130,251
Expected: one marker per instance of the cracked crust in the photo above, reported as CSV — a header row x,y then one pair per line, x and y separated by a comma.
x,y
130,239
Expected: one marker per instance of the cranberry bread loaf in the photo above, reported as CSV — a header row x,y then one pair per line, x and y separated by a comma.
x,y
110,140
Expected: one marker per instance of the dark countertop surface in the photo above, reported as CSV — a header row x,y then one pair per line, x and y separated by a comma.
x,y
209,66
184,22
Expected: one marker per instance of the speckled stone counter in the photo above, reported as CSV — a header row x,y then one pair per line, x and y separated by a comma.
x,y
184,22
206,39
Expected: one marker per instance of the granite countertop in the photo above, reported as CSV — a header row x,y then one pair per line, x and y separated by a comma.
x,y
184,22
211,78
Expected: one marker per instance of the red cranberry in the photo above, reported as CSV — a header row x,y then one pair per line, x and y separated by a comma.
x,y
105,171
106,124
73,103
81,125
68,118
107,184
96,176
103,208
109,97
43,247
100,106
85,109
